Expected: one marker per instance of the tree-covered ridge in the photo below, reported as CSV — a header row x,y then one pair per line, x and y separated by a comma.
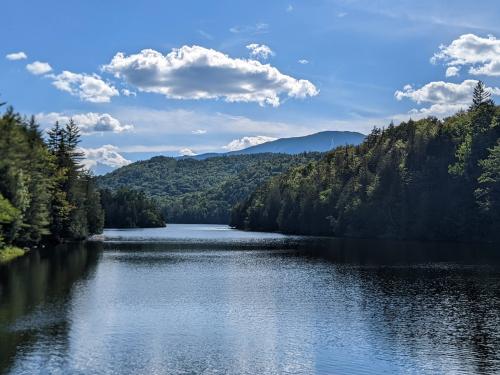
x,y
127,208
44,193
201,191
426,179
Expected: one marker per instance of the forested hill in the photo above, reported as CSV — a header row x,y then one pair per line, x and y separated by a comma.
x,y
201,191
317,142
44,192
426,179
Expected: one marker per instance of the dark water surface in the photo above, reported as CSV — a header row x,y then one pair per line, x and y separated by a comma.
x,y
195,299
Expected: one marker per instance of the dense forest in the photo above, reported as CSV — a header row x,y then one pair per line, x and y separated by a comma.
x,y
128,208
426,179
201,191
45,195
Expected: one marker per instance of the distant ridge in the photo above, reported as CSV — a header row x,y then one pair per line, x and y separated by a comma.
x,y
319,142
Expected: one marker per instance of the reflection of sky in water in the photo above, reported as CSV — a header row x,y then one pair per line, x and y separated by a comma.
x,y
268,311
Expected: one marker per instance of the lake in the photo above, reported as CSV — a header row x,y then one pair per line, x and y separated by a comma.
x,y
192,299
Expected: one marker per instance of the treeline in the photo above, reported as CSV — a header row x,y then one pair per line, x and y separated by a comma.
x,y
128,208
201,191
44,192
426,179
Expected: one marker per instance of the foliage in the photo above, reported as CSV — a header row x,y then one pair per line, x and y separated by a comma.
x,y
427,179
9,253
201,191
128,208
44,193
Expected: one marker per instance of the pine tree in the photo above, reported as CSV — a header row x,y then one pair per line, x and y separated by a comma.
x,y
480,96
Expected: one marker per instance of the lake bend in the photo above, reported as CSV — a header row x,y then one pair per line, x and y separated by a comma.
x,y
206,299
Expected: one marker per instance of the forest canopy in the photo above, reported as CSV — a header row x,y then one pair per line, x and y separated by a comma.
x,y
426,179
201,191
45,194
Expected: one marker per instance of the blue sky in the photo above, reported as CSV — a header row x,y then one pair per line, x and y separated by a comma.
x,y
157,77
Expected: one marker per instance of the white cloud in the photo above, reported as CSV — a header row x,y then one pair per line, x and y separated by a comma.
x,y
435,110
482,54
259,28
199,131
289,8
16,56
442,92
303,61
127,92
245,142
106,154
187,152
342,14
194,72
445,98
260,51
452,71
87,122
38,67
89,88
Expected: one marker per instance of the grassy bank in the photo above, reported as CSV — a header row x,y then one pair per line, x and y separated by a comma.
x,y
9,253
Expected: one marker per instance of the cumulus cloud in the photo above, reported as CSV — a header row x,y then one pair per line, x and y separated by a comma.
x,y
88,123
260,51
482,54
106,155
445,98
88,87
38,68
199,131
452,71
245,142
303,61
16,56
186,152
442,92
194,72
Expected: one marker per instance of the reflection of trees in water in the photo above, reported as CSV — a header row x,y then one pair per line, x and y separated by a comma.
x,y
436,302
43,279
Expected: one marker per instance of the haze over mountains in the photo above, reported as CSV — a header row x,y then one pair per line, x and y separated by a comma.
x,y
317,142
203,188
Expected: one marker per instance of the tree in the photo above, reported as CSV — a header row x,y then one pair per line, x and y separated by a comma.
x,y
481,96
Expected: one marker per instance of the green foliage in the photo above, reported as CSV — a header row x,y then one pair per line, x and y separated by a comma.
x,y
10,253
43,191
428,179
128,208
201,191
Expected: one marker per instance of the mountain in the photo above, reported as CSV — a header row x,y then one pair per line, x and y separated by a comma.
x,y
317,142
428,180
201,191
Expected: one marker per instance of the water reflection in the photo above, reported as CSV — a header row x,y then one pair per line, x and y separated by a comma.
x,y
268,305
34,293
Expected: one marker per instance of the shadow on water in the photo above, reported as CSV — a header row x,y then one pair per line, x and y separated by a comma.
x,y
43,277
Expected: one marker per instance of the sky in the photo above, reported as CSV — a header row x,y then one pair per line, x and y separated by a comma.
x,y
151,77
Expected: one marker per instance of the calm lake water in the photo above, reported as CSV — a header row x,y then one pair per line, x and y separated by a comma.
x,y
195,299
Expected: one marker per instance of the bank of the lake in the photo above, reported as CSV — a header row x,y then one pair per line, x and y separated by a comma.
x,y
206,299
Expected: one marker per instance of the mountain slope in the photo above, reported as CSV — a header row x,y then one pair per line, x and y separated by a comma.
x,y
201,191
317,142
426,179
